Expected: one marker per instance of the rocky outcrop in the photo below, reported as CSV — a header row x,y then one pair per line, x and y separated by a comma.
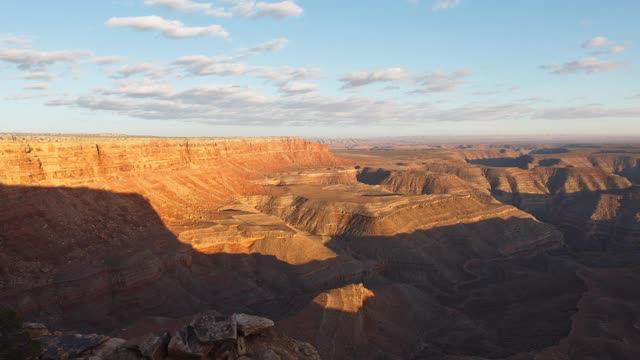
x,y
249,324
70,346
208,336
355,211
418,181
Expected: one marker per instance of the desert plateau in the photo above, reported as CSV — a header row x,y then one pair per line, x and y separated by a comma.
x,y
443,252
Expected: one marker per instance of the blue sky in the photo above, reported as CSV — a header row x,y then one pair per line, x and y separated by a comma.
x,y
320,68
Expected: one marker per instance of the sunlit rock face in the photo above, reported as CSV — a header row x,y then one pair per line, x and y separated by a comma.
x,y
473,252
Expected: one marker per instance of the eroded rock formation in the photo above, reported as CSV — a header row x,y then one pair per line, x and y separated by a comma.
x,y
448,252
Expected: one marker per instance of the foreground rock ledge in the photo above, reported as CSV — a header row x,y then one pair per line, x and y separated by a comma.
x,y
208,336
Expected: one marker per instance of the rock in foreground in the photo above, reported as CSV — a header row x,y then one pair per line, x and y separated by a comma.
x,y
208,336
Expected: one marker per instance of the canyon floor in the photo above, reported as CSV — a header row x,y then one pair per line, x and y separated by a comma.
x,y
499,251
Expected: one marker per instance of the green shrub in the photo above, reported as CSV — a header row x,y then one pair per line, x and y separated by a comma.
x,y
15,343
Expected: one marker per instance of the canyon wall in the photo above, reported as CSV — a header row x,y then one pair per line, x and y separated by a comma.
x,y
96,230
183,179
53,160
457,252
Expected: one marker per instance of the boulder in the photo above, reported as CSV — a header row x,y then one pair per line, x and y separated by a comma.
x,y
241,346
178,346
35,330
268,355
123,353
70,345
151,346
307,349
107,348
185,345
208,330
250,324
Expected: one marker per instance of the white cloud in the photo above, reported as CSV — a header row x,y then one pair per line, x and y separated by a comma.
x,y
202,65
586,66
486,92
616,49
269,46
279,10
145,69
478,112
588,112
28,58
250,8
283,74
442,81
37,86
27,96
108,60
188,6
596,42
225,69
240,105
39,75
173,29
437,81
445,4
141,88
15,40
362,78
613,50
218,12
390,88
298,87
221,94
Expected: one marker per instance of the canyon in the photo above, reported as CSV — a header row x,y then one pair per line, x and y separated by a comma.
x,y
447,251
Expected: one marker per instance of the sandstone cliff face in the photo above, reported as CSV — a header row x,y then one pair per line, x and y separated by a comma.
x,y
85,160
171,173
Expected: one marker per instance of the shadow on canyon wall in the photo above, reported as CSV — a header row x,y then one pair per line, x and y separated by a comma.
x,y
522,161
600,227
489,303
91,260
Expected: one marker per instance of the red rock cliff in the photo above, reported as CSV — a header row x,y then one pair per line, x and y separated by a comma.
x,y
58,160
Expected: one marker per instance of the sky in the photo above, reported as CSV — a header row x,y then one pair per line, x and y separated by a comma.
x,y
321,67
